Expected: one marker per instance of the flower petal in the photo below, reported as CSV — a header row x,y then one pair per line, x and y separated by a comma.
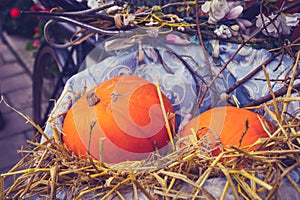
x,y
291,20
234,12
243,23
205,7
175,39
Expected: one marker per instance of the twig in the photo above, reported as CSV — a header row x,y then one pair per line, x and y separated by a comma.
x,y
204,52
251,74
277,93
256,70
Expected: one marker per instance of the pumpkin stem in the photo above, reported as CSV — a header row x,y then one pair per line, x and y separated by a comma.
x,y
92,99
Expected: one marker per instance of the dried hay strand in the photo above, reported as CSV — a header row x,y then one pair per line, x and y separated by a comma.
x,y
48,169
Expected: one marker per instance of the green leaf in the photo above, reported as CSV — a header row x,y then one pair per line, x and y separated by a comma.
x,y
29,45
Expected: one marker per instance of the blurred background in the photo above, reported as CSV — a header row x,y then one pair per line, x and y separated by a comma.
x,y
19,41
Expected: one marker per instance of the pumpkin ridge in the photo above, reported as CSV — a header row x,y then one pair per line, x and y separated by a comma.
x,y
232,131
120,101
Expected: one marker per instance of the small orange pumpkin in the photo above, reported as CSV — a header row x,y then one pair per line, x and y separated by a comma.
x,y
124,115
229,125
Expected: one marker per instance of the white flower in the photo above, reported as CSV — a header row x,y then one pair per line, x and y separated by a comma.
x,y
217,10
236,3
113,9
93,3
221,9
262,21
223,32
292,19
281,25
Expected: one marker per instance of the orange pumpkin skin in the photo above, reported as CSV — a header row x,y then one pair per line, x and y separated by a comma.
x,y
228,125
128,121
75,123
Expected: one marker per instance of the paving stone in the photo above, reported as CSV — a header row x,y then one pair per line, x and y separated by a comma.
x,y
11,69
9,156
15,124
2,44
29,135
7,55
15,86
20,99
3,108
18,45
2,62
17,82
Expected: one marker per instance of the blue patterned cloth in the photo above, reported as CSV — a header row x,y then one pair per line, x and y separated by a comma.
x,y
180,69
182,72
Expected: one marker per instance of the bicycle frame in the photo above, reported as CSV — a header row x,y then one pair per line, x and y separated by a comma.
x,y
80,50
69,59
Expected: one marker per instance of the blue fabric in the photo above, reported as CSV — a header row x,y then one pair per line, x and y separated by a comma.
x,y
174,66
181,71
247,60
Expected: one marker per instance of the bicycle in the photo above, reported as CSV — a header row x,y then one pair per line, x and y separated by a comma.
x,y
55,63
65,60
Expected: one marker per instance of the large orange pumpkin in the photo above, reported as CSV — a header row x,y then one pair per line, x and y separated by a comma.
x,y
120,119
229,125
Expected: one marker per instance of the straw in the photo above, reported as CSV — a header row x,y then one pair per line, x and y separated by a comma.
x,y
229,182
290,86
48,168
165,115
1,187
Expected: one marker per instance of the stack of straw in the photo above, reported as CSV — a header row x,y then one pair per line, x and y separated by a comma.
x,y
49,169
